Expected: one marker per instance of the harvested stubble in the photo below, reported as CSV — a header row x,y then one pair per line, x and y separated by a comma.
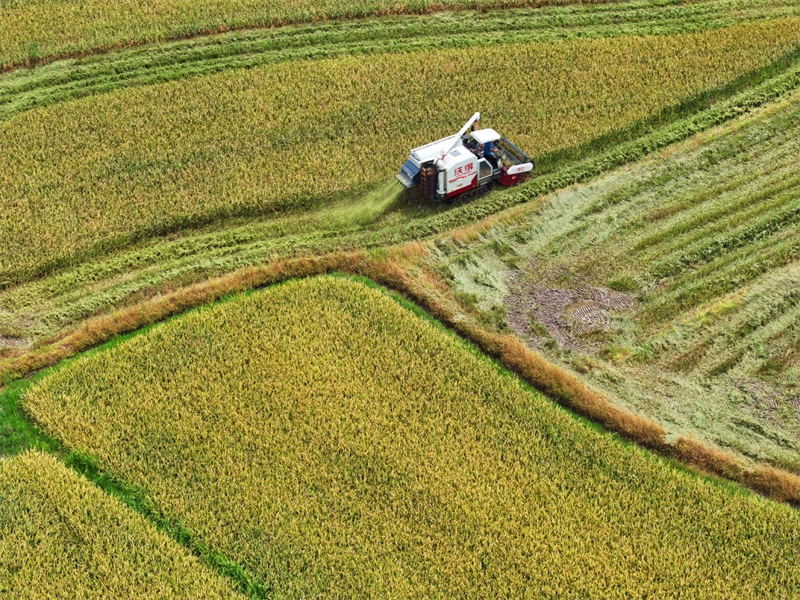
x,y
707,238
54,304
334,443
62,537
88,176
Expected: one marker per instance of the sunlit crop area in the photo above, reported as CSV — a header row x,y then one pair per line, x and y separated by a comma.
x,y
205,392
32,30
100,72
89,175
334,443
62,537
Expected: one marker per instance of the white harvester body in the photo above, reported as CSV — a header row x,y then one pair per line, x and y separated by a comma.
x,y
465,163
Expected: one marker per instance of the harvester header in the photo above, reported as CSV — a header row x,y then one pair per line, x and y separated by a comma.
x,y
465,164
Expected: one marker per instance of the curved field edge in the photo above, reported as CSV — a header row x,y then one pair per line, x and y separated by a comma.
x,y
627,473
25,89
35,32
395,270
60,536
37,311
92,175
20,436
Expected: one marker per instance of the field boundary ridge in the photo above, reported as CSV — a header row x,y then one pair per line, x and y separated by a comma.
x,y
390,270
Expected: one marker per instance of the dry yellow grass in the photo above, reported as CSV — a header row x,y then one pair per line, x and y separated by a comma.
x,y
334,443
62,537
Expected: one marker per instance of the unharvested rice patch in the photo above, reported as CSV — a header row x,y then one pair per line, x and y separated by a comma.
x,y
63,537
336,444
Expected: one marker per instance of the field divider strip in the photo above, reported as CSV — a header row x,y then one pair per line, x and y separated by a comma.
x,y
577,165
606,9
391,271
139,501
29,435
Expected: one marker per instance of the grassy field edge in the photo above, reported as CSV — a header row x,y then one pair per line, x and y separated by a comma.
x,y
20,433
30,436
35,56
159,63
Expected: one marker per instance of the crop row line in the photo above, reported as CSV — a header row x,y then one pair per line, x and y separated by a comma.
x,y
736,230
26,89
683,234
38,32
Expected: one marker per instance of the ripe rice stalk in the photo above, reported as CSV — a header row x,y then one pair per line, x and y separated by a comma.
x,y
88,176
62,537
334,443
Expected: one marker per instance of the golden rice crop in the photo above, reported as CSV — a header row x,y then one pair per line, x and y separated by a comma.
x,y
62,537
336,444
31,30
88,175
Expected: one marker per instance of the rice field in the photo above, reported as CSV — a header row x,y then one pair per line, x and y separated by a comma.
x,y
671,285
39,309
35,30
96,73
62,537
324,437
88,176
334,443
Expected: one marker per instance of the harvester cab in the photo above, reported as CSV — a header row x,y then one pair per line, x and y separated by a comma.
x,y
465,164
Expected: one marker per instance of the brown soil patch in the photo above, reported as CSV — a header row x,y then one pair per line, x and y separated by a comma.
x,y
568,314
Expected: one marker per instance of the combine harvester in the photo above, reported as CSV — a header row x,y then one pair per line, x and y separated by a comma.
x,y
465,165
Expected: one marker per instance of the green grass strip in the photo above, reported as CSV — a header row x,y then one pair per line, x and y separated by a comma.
x,y
18,432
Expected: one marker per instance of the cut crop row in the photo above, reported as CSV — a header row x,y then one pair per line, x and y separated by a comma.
x,y
32,31
701,249
23,89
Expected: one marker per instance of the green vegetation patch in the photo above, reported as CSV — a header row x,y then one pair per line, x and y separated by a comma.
x,y
88,176
62,537
334,443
